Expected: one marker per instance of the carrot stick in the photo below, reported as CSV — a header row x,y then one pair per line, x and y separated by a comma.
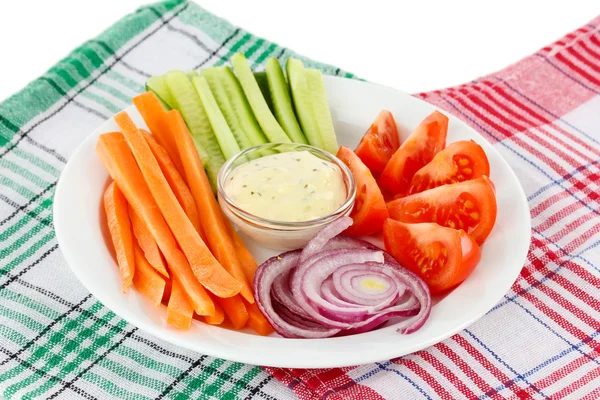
x,y
246,260
167,292
213,221
147,243
219,316
146,280
235,310
153,114
119,226
118,160
179,310
176,182
206,268
257,321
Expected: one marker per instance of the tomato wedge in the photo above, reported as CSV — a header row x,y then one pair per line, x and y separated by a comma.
x,y
420,147
458,162
379,142
369,207
442,257
469,205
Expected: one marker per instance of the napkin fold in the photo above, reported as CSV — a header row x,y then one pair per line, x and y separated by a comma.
x,y
542,114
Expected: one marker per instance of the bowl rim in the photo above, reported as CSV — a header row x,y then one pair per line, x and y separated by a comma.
x,y
276,225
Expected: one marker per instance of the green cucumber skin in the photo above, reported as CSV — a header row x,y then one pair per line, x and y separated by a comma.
x,y
259,106
227,142
321,110
282,103
158,86
302,98
187,101
263,84
211,75
241,107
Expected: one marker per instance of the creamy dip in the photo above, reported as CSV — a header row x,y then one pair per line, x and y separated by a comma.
x,y
290,187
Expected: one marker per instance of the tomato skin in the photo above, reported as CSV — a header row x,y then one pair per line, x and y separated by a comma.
x,y
469,205
460,161
379,142
419,149
369,210
442,257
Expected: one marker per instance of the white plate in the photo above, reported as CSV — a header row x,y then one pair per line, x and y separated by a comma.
x,y
78,219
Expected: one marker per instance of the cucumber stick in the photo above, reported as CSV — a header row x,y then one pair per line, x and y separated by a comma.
x,y
282,103
241,107
158,86
227,142
263,85
321,109
263,114
218,90
187,101
302,98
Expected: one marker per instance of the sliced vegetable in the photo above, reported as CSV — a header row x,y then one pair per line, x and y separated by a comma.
x,y
213,221
187,101
369,210
341,286
235,310
219,316
227,142
246,260
419,149
241,106
261,110
158,86
458,162
179,310
153,114
118,160
206,268
282,102
147,243
119,226
257,321
217,88
263,85
442,257
469,205
302,99
379,143
320,106
176,182
146,280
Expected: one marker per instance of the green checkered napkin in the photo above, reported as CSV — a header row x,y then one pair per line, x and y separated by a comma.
x,y
56,340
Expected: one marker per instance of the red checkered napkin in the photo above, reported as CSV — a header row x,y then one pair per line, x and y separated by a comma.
x,y
541,340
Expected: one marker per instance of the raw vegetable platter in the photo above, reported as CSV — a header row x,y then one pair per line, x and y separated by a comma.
x,y
85,239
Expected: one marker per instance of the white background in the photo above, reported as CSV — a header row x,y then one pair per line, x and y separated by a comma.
x,y
410,45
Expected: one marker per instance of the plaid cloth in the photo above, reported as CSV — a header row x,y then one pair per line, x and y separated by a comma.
x,y
541,340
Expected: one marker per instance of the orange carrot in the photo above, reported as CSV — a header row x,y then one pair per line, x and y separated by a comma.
x,y
257,321
213,221
219,316
118,160
146,280
235,310
176,182
153,113
246,260
119,226
147,243
179,310
206,268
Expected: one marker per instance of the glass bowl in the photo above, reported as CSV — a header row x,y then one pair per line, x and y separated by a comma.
x,y
280,235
